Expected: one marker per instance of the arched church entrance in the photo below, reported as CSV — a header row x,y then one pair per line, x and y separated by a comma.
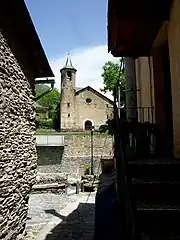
x,y
88,125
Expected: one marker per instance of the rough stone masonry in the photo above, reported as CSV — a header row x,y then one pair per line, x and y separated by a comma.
x,y
75,155
17,144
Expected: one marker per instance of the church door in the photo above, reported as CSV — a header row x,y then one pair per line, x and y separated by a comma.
x,y
88,125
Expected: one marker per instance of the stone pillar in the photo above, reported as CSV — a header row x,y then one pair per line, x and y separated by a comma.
x,y
131,92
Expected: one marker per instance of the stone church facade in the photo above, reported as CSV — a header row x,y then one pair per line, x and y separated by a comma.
x,y
82,108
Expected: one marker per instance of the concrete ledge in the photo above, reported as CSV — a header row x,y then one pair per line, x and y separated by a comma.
x,y
50,140
56,188
50,182
48,178
50,185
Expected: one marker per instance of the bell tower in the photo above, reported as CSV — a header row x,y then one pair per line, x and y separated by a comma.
x,y
67,103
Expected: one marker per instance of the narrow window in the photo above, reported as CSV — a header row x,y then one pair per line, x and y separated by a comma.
x,y
107,117
68,114
69,75
107,105
68,104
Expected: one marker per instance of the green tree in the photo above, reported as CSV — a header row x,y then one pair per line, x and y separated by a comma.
x,y
112,76
50,100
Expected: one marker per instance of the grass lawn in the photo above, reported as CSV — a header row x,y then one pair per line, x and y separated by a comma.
x,y
53,132
42,131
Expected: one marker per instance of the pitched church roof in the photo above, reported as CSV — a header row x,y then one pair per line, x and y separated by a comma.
x,y
68,64
88,88
78,88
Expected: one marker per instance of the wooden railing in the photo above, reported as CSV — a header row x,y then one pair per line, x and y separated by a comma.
x,y
144,114
141,131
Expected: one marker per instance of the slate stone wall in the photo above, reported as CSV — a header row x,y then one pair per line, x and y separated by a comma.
x,y
18,159
75,155
49,155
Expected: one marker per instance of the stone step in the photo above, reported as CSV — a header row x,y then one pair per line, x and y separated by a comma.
x,y
154,170
50,187
155,189
161,220
144,206
162,192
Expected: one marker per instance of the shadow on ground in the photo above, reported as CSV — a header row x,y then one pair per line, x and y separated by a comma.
x,y
77,225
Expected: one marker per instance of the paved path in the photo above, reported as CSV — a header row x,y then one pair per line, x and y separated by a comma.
x,y
54,217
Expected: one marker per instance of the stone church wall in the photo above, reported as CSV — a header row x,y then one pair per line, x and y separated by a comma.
x,y
17,144
98,111
76,154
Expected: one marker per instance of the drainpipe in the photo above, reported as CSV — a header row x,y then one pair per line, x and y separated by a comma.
x,y
131,91
45,81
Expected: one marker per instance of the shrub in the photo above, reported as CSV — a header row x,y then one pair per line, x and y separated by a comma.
x,y
87,169
44,123
103,128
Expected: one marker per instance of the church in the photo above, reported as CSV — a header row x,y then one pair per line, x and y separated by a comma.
x,y
81,108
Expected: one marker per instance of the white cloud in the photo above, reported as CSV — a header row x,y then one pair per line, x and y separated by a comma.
x,y
88,62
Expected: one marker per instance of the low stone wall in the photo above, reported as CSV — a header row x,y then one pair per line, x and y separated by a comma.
x,y
74,167
51,182
76,154
80,145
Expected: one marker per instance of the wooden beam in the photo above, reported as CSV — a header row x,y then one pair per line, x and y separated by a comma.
x,y
143,9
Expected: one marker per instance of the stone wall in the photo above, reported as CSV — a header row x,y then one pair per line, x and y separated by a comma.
x,y
48,155
98,111
17,144
76,154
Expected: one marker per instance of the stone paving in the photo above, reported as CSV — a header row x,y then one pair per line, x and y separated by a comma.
x,y
63,217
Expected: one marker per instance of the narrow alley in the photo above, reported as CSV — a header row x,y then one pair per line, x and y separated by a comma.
x,y
90,120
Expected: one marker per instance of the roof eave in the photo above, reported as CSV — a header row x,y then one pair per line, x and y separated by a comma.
x,y
96,92
18,29
127,34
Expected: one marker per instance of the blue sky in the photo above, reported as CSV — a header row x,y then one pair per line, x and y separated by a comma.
x,y
64,25
75,26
